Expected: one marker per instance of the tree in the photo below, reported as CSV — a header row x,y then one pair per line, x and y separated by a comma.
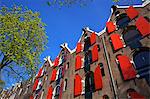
x,y
70,2
22,39
67,3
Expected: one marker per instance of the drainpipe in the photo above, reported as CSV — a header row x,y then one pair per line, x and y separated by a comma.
x,y
109,68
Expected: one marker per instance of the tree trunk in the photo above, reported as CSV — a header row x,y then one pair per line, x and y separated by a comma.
x,y
1,66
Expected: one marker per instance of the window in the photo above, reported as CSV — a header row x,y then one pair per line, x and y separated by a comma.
x,y
105,97
87,44
89,85
89,82
141,60
132,37
85,35
117,13
102,69
67,66
87,61
114,8
122,20
57,90
98,46
65,85
116,83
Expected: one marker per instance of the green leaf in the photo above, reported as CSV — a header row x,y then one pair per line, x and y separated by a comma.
x,y
22,36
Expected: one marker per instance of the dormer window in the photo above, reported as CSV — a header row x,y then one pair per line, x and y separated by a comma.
x,y
87,61
117,13
114,8
85,36
87,43
132,37
122,20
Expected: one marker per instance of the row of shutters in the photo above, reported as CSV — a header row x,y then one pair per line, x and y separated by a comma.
x,y
53,91
79,61
37,82
125,64
142,24
79,47
78,85
126,67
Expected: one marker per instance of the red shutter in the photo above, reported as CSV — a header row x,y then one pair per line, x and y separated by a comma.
x,y
50,93
79,47
53,76
77,85
98,78
94,53
39,73
135,95
116,41
35,85
31,97
56,62
132,12
143,26
61,89
110,27
127,68
78,62
93,38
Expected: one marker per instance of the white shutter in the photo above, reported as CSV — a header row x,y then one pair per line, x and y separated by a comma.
x,y
83,87
57,74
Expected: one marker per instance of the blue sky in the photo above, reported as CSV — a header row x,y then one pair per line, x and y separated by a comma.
x,y
65,24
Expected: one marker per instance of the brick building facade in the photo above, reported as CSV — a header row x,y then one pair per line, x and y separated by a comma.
x,y
111,64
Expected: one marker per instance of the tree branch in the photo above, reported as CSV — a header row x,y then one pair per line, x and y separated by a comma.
x,y
2,65
16,72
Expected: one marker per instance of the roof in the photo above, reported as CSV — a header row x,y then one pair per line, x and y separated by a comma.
x,y
145,2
